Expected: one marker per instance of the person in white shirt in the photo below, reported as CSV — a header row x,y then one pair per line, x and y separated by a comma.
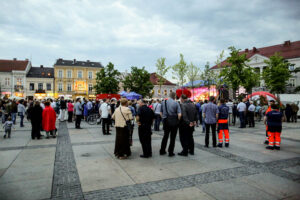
x,y
251,111
229,104
242,111
105,111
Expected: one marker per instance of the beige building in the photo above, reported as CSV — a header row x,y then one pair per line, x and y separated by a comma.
x,y
40,82
75,78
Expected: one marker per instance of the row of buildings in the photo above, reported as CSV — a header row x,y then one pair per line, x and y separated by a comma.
x,y
290,51
68,78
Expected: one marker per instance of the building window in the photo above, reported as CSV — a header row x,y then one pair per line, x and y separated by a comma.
x,y
171,91
90,87
69,87
158,91
291,67
31,86
165,92
69,74
40,86
292,82
79,74
7,81
19,81
60,86
60,73
48,86
90,75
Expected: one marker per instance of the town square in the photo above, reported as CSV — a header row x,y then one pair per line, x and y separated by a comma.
x,y
149,100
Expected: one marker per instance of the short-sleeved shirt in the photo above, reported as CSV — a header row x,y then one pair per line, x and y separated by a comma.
x,y
241,107
173,108
230,105
105,108
274,121
146,115
157,108
210,110
251,108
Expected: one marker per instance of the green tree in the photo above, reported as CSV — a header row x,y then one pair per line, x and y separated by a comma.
x,y
251,79
138,81
276,74
107,80
161,70
192,73
233,74
209,76
179,71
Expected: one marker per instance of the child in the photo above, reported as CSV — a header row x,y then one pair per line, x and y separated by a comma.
x,y
7,127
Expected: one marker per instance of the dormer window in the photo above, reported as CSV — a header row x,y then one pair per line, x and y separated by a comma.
x,y
43,73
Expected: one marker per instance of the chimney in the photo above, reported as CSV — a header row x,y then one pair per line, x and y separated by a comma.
x,y
254,49
74,61
27,59
247,50
15,59
42,66
287,43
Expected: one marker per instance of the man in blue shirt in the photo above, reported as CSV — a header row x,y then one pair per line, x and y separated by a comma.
x,y
171,113
210,112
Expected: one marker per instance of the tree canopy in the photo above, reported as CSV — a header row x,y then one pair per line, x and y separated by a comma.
x,y
179,71
276,73
107,80
161,71
138,81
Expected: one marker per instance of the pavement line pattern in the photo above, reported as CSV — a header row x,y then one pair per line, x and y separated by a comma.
x,y
66,183
144,189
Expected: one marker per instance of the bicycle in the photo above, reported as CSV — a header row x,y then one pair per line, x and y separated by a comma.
x,y
93,118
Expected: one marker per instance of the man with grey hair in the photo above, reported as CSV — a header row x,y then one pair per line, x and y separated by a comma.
x,y
251,110
171,113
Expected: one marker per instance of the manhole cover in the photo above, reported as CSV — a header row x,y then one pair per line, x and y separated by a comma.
x,y
86,155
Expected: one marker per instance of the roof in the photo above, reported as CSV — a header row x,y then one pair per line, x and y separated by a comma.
x,y
154,80
75,62
41,72
10,65
287,50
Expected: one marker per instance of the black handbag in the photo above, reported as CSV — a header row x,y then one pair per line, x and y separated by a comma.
x,y
170,121
128,122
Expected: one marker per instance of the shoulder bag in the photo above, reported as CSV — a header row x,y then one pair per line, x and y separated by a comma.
x,y
128,122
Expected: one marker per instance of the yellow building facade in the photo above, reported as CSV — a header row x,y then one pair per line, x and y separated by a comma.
x,y
74,79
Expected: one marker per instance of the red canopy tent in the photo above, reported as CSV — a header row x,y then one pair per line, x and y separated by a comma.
x,y
108,96
185,91
267,95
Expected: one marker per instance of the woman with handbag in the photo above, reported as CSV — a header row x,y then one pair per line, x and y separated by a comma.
x,y
122,117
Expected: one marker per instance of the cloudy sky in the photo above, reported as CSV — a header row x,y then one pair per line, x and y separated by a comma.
x,y
137,33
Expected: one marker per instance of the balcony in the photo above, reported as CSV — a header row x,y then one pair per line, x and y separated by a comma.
x,y
18,88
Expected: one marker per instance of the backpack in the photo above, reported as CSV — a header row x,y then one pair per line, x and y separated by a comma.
x,y
223,112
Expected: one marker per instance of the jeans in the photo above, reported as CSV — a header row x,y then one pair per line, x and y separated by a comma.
x,y
105,126
21,121
167,131
242,119
157,122
14,117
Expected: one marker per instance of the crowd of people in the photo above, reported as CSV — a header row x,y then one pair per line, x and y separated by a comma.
x,y
181,116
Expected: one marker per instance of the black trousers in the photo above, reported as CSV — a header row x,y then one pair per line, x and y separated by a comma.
x,y
233,119
186,138
105,126
35,129
70,116
213,132
251,119
167,131
78,121
145,139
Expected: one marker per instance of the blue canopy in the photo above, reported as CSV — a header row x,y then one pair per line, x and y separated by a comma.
x,y
132,96
123,93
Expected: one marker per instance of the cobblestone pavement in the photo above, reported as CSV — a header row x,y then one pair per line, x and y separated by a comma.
x,y
79,164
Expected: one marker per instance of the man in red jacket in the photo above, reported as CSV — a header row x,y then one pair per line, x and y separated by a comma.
x,y
49,119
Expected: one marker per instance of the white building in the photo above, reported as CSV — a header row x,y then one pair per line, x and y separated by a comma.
x,y
13,77
288,50
165,89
